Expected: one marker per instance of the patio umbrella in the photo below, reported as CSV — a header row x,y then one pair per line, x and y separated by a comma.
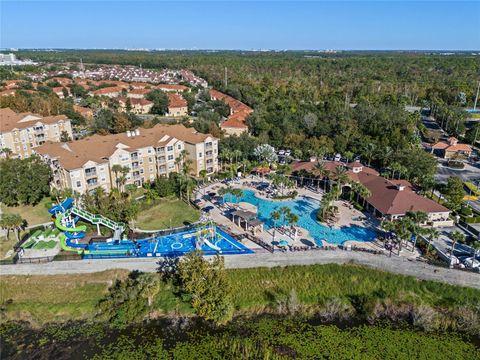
x,y
283,243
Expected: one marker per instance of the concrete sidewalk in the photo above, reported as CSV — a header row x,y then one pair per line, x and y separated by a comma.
x,y
396,265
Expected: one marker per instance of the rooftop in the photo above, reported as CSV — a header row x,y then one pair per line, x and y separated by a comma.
x,y
10,120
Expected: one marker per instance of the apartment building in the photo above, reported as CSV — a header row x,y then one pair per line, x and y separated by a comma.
x,y
236,123
22,132
137,106
86,164
110,92
177,105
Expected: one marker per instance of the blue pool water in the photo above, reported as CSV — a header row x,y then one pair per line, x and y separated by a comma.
x,y
306,209
471,111
168,245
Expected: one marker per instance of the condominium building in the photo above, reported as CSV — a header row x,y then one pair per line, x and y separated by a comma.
x,y
177,105
89,163
22,132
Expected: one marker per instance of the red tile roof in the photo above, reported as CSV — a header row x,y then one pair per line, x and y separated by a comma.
x,y
172,87
387,197
176,101
239,110
107,90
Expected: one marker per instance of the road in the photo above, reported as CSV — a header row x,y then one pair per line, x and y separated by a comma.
x,y
394,264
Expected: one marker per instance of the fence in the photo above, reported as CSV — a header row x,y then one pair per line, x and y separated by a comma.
x,y
260,242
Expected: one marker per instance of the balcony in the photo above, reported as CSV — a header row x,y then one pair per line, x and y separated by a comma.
x,y
90,172
134,158
92,182
209,154
135,165
208,146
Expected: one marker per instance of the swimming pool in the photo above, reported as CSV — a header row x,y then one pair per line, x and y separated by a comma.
x,y
211,240
306,209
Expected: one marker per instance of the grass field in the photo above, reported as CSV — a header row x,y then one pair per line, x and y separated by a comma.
x,y
41,299
65,297
6,245
34,215
166,213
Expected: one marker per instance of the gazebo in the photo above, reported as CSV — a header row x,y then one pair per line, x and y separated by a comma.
x,y
249,218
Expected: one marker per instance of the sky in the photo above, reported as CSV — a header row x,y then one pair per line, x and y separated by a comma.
x,y
280,25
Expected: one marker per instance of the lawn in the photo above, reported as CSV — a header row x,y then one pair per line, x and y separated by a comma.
x,y
167,213
34,215
40,299
6,245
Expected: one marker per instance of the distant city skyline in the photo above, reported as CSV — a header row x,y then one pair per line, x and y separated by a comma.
x,y
241,25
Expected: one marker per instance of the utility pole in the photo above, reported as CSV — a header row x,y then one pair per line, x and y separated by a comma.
x,y
226,77
476,97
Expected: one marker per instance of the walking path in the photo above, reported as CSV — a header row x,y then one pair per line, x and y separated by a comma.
x,y
396,265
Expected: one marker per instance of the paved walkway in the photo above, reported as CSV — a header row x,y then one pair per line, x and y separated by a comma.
x,y
262,259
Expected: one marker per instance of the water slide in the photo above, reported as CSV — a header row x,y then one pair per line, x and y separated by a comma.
x,y
59,225
214,247
61,208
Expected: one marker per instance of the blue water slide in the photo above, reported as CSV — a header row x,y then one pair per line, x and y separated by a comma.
x,y
77,235
60,208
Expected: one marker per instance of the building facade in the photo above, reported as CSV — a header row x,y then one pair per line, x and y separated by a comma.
x,y
23,132
143,154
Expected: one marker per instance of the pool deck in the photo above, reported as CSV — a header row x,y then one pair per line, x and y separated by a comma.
x,y
346,216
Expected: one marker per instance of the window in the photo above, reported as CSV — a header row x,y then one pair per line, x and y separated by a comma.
x,y
169,148
200,155
79,184
179,147
170,157
149,151
150,160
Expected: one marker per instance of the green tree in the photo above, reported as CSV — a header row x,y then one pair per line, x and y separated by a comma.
x,y
24,181
454,193
275,216
205,284
64,137
14,222
160,102
456,237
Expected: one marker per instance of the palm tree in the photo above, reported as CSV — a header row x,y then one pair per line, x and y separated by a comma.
x,y
226,190
275,217
293,219
417,218
7,152
361,190
237,193
12,222
284,212
236,154
320,171
326,201
203,175
119,169
432,234
456,236
341,178
369,152
388,226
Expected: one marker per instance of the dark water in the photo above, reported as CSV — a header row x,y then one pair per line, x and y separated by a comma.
x,y
78,340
